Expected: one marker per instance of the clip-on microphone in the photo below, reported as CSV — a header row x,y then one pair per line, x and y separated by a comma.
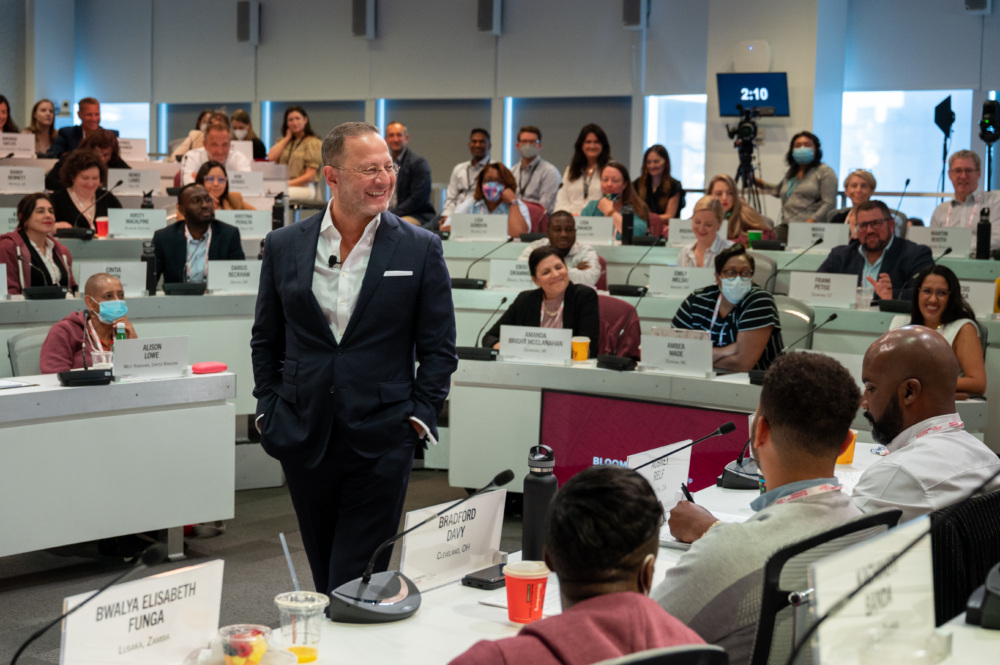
x,y
390,595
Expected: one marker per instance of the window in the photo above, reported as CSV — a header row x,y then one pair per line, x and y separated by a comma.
x,y
131,119
678,123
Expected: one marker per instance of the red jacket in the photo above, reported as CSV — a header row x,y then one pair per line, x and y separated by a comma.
x,y
9,244
599,628
63,347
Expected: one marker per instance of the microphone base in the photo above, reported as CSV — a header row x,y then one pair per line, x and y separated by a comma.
x,y
616,363
768,245
647,241
389,596
627,290
184,288
468,283
475,353
75,232
735,477
532,237
76,378
53,292
897,306
757,377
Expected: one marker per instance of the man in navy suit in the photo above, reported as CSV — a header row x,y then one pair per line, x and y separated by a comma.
x,y
412,199
880,260
68,138
348,300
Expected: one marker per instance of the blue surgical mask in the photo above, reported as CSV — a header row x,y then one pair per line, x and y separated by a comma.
x,y
803,155
734,289
112,310
492,190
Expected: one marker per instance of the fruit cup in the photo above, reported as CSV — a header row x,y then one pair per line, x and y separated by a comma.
x,y
244,644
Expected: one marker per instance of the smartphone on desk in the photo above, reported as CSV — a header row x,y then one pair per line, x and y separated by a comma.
x,y
487,578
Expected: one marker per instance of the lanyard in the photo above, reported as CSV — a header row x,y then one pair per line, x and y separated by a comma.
x,y
586,183
791,186
950,426
809,491
972,215
96,341
715,314
207,239
531,172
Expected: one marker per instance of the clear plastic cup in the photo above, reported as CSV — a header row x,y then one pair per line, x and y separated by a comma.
x,y
302,619
526,582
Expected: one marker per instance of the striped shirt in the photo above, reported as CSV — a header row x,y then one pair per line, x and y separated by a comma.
x,y
756,310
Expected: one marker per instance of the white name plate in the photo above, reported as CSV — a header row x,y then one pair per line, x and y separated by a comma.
x,y
135,181
981,296
132,223
802,235
678,282
8,220
154,358
233,276
680,354
132,274
900,598
22,145
251,223
152,621
246,183
823,288
21,179
479,227
666,475
133,150
681,234
243,147
510,275
458,542
3,281
959,238
542,346
598,230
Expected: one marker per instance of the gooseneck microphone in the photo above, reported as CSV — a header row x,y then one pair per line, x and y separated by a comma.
x,y
626,289
150,556
905,186
74,378
477,284
724,428
757,375
477,352
390,595
96,201
774,277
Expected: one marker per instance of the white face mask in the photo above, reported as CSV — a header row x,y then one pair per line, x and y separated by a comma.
x,y
528,150
240,134
734,289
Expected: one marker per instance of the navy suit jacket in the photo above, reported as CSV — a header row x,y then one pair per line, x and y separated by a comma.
x,y
413,188
68,139
902,261
363,388
170,247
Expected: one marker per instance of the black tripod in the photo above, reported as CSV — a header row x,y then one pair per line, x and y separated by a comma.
x,y
745,174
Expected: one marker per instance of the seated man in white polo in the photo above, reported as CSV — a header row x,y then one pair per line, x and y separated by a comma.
x,y
581,260
217,148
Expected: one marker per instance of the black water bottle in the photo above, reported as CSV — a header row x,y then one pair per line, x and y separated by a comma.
x,y
540,486
149,258
628,224
984,231
147,201
260,254
278,212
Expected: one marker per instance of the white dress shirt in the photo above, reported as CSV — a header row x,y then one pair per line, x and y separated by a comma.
x,y
687,259
538,182
574,194
930,465
462,184
954,213
578,253
193,160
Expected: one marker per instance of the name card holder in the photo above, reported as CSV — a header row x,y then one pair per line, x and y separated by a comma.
x,y
681,234
8,220
981,296
133,150
132,223
677,352
538,346
665,476
459,542
152,358
959,238
22,145
824,289
672,282
251,223
132,274
135,181
510,275
244,147
233,276
21,179
479,227
802,235
247,183
595,230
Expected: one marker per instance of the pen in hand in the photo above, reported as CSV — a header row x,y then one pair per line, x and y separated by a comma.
x,y
687,493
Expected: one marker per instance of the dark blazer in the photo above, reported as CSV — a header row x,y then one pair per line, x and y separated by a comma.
x,y
902,261
170,247
53,179
413,188
66,211
68,138
362,388
580,312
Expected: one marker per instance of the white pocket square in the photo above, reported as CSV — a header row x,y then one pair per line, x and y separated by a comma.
x,y
398,273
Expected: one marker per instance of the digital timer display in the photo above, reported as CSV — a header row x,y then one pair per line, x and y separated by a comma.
x,y
755,89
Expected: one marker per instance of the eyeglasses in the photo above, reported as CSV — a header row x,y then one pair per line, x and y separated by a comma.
x,y
940,293
371,171
745,274
864,226
963,171
215,179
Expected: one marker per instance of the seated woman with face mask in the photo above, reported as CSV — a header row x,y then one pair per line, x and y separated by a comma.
x,y
496,194
76,334
741,319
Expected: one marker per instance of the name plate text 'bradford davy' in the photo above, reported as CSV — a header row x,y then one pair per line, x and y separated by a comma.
x,y
545,346
153,358
824,289
131,223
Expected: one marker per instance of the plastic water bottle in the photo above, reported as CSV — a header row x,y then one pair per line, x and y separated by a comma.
x,y
984,231
540,486
628,224
120,331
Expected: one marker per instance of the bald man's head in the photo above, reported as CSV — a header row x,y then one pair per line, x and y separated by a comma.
x,y
910,375
101,283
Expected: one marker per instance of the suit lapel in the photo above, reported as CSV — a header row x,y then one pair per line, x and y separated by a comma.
x,y
307,235
386,239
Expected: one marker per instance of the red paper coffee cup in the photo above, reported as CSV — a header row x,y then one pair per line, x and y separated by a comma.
x,y
525,581
102,227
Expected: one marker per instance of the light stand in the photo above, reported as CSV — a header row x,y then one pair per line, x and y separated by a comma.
x,y
944,118
990,134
